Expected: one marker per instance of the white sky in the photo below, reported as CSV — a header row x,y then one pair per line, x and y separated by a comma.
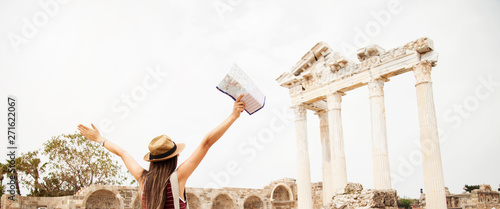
x,y
78,63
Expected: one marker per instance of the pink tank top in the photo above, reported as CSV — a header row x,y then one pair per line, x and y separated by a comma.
x,y
169,204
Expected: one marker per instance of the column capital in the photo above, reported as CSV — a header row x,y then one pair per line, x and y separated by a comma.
x,y
323,117
300,112
337,93
334,99
379,79
376,87
319,113
422,72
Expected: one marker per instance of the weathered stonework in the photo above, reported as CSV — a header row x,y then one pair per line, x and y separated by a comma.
x,y
280,194
355,197
92,197
482,198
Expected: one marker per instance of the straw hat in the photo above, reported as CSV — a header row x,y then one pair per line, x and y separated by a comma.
x,y
162,148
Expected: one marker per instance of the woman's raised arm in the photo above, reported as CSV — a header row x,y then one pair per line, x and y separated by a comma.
x,y
186,169
132,166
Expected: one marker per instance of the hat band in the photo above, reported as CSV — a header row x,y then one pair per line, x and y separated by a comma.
x,y
166,154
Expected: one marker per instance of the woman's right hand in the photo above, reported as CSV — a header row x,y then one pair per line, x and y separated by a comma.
x,y
238,107
92,134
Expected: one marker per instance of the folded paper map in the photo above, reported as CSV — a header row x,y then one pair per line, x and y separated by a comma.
x,y
236,83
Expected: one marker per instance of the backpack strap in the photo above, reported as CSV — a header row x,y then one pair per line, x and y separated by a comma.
x,y
174,183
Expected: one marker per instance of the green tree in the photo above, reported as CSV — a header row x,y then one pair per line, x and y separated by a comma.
x,y
73,162
405,202
469,188
29,163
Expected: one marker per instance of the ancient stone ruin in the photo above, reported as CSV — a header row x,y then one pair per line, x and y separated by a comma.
x,y
319,81
482,198
281,194
355,197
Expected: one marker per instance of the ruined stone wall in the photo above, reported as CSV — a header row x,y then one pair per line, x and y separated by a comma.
x,y
355,197
35,202
227,198
482,198
95,196
280,194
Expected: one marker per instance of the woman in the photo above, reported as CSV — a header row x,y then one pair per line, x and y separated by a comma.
x,y
154,184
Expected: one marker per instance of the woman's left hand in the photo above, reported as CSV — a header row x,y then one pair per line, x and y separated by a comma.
x,y
92,134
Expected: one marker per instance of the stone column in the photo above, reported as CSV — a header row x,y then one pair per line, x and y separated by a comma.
x,y
381,169
435,195
303,169
336,141
327,157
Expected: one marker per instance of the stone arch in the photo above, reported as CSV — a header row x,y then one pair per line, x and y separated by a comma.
x,y
282,197
193,201
103,198
223,201
253,202
281,192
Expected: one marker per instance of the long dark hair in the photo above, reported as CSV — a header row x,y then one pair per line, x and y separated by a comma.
x,y
155,182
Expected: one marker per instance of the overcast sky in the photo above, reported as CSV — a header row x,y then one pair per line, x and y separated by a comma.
x,y
139,69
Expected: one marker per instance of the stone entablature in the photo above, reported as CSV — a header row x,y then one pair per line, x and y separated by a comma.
x,y
280,194
322,70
